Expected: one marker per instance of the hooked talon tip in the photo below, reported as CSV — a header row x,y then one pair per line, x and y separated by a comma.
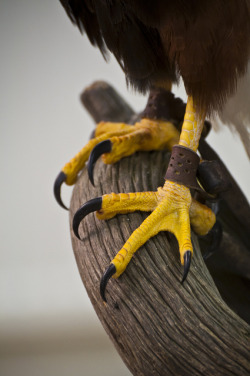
x,y
187,263
90,206
109,272
61,178
101,148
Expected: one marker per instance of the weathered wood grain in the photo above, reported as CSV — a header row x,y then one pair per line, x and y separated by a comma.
x,y
158,326
104,103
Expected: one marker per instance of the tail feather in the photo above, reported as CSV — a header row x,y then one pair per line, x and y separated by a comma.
x,y
236,113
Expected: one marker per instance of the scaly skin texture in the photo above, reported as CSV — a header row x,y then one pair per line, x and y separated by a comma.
x,y
126,140
192,126
173,210
172,206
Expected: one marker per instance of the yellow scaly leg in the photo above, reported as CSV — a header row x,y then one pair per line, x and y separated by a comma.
x,y
172,208
116,141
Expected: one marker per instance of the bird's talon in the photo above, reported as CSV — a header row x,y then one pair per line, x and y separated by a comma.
x,y
101,148
90,206
170,211
187,263
61,178
109,272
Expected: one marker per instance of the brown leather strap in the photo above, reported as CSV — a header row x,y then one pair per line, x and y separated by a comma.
x,y
183,167
212,177
163,105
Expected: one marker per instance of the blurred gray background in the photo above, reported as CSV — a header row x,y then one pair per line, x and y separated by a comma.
x,y
47,324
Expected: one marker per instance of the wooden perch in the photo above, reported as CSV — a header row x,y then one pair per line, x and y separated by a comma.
x,y
158,326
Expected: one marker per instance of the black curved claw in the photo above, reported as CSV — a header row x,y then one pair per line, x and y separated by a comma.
x,y
89,207
101,148
61,178
111,270
187,263
216,234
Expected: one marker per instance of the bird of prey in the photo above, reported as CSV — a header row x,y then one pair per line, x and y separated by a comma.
x,y
207,44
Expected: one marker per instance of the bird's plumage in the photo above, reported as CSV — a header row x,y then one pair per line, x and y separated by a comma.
x,y
236,112
206,42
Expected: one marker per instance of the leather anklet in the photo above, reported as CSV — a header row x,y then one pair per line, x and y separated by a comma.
x,y
182,168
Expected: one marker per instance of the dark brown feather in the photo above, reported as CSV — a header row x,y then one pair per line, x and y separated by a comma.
x,y
206,42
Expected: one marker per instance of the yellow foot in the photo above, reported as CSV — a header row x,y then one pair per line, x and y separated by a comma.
x,y
115,141
172,209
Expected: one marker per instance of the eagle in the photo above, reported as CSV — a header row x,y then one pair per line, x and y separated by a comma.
x,y
205,43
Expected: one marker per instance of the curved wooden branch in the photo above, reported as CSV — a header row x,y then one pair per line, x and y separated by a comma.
x,y
104,104
158,326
